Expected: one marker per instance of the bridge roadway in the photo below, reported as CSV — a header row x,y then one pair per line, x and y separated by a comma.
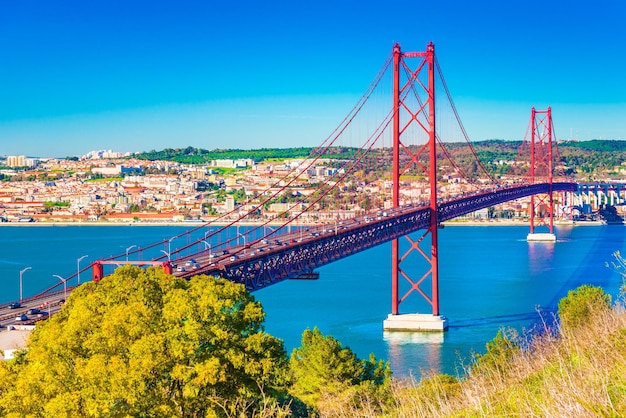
x,y
267,261
48,304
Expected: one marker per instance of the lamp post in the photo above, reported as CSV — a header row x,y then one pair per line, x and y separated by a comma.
x,y
21,273
209,247
244,242
167,254
129,248
64,281
78,267
169,247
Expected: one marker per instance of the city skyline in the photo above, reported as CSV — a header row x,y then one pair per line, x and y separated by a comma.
x,y
143,75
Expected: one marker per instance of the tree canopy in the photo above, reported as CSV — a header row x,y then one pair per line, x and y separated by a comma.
x,y
143,343
330,376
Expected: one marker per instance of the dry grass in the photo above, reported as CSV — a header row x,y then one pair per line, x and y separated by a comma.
x,y
576,373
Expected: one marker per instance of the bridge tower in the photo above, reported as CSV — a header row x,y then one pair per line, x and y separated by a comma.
x,y
541,206
413,116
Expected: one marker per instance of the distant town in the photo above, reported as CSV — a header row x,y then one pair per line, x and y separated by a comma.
x,y
107,186
112,187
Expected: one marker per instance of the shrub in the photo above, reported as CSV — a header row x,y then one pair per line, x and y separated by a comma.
x,y
581,304
499,353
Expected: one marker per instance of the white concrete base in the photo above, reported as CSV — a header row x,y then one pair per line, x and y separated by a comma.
x,y
397,338
543,237
415,322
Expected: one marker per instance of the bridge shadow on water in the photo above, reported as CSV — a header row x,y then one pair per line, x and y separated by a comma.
x,y
530,317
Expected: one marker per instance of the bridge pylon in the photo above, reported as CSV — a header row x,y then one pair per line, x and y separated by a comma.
x,y
412,118
541,210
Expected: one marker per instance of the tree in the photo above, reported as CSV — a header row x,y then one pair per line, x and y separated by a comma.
x,y
326,373
581,305
143,343
500,352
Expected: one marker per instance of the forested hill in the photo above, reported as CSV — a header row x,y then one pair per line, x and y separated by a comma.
x,y
583,157
603,145
191,155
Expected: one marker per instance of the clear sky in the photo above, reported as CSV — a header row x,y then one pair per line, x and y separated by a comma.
x,y
140,75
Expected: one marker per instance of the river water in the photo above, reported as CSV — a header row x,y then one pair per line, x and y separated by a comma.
x,y
490,277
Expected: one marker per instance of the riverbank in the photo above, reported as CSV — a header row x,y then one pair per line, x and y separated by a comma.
x,y
127,224
509,222
461,222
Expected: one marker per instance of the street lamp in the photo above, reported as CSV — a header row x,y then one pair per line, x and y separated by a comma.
x,y
21,273
78,267
244,242
132,246
208,232
167,254
169,247
209,246
64,281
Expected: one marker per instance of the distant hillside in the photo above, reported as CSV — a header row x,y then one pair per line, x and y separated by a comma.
x,y
601,145
592,158
585,158
192,155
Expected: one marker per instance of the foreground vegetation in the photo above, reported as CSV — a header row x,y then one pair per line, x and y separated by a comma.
x,y
141,343
577,371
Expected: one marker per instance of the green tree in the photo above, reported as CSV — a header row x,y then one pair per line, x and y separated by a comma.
x,y
326,373
500,351
142,343
581,304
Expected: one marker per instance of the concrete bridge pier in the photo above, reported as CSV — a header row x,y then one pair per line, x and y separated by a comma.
x,y
415,322
541,237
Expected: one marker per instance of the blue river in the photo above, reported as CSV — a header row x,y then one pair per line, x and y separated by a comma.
x,y
490,277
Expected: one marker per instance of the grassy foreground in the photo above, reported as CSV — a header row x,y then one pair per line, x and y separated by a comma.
x,y
197,348
577,371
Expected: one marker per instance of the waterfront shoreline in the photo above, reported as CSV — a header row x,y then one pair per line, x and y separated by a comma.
x,y
199,224
516,223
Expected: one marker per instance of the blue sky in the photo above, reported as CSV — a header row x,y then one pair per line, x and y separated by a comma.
x,y
140,75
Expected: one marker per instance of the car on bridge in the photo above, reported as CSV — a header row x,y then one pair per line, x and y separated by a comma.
x,y
192,264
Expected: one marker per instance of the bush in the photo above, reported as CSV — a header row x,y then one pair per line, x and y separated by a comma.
x,y
581,305
500,351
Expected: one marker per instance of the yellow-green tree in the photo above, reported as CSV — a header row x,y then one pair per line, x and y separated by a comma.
x,y
329,377
142,343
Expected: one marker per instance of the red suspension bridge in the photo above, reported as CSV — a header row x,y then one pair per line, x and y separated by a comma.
x,y
403,135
